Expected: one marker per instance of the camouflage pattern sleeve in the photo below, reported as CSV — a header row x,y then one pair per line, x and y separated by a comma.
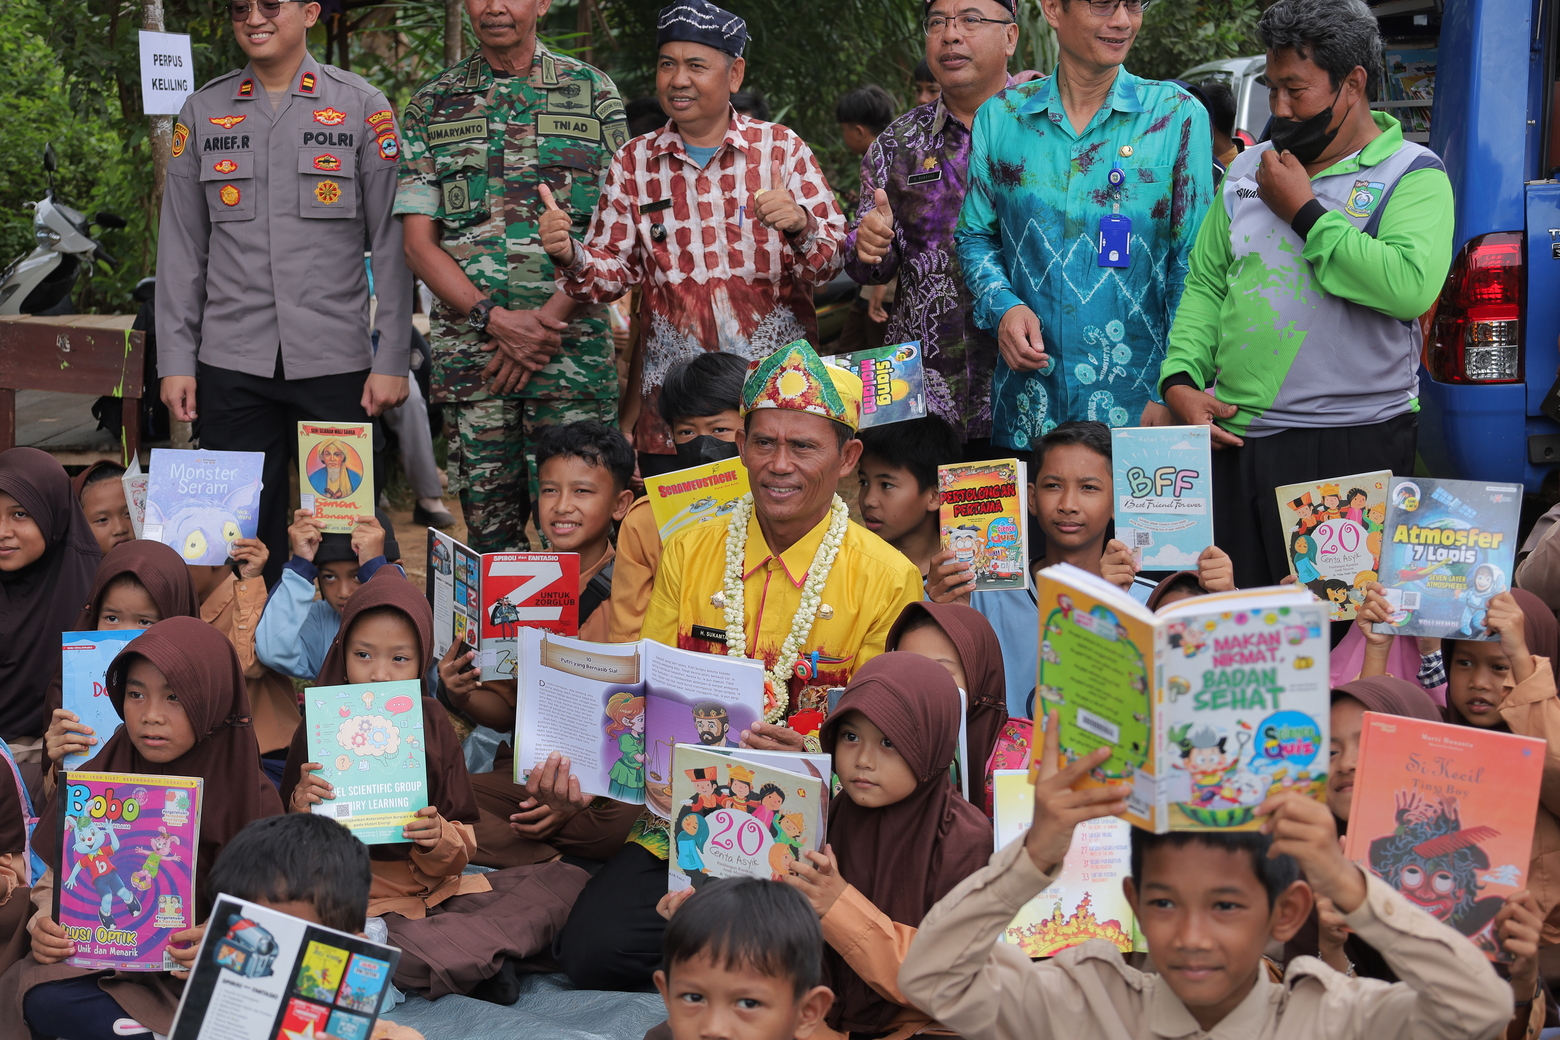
x,y
418,188
608,263
614,120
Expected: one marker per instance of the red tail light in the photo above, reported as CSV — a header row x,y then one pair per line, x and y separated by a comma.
x,y
1477,337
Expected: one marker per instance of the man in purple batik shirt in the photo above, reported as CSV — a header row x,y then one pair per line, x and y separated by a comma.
x,y
912,185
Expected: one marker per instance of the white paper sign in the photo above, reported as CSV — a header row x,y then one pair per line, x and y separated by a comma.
x,y
167,72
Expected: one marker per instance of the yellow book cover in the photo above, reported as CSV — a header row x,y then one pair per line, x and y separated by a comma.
x,y
336,472
984,519
320,971
691,496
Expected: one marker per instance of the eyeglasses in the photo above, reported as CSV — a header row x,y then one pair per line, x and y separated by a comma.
x,y
966,22
239,9
1106,8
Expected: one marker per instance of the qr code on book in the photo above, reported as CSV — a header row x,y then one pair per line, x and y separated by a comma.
x,y
335,812
1402,599
1142,539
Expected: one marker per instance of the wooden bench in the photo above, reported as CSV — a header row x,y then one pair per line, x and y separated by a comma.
x,y
94,354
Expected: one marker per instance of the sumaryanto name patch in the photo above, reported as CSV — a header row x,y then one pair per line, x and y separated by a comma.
x,y
458,130
584,128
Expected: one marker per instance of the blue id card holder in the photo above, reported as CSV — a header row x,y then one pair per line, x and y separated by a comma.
x,y
1115,240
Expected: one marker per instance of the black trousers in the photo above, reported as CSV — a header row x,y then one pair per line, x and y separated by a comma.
x,y
241,412
612,940
1246,521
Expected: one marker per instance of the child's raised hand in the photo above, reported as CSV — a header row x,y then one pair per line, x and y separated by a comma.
x,y
552,785
1333,932
671,901
1058,808
1504,619
49,945
303,537
183,946
1304,828
1215,570
251,555
458,675
67,735
1375,610
368,539
1117,565
425,828
311,789
949,581
817,876
1518,927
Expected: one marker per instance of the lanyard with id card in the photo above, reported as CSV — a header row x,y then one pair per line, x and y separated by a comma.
x,y
1115,248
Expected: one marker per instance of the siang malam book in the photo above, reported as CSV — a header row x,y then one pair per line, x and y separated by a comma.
x,y
1086,900
84,661
985,521
618,709
369,739
128,843
736,815
691,496
265,975
1445,815
1208,706
336,473
893,382
484,599
1332,536
1448,549
1164,498
200,502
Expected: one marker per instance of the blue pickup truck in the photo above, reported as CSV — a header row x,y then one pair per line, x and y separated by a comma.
x,y
1490,358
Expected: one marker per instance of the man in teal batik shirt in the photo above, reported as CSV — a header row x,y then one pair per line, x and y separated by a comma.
x,y
1079,340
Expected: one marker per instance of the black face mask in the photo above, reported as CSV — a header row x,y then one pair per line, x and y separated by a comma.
x,y
1305,139
704,449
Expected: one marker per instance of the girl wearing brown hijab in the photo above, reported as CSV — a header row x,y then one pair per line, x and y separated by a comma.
x,y
47,559
458,933
181,695
961,640
900,837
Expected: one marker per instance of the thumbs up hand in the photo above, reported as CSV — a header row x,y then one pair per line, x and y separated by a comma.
x,y
876,232
554,229
774,206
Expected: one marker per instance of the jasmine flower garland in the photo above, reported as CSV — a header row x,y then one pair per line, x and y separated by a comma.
x,y
777,678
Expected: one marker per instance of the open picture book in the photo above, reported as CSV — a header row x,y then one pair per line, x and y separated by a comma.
x,y
1208,706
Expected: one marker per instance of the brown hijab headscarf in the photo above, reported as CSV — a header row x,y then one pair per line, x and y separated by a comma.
x,y
906,856
39,601
161,572
1389,695
78,483
203,671
1169,584
449,785
981,657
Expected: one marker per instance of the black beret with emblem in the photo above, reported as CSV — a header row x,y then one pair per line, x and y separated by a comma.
x,y
699,21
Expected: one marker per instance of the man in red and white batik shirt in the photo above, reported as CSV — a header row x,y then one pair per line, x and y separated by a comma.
x,y
724,222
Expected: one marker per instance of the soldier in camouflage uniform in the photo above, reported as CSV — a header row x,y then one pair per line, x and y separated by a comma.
x,y
510,353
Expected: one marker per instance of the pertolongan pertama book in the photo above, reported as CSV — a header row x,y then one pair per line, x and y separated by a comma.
x,y
618,709
1445,815
1162,477
336,473
265,975
370,741
736,815
84,661
1332,536
984,519
128,845
1448,549
201,502
1208,706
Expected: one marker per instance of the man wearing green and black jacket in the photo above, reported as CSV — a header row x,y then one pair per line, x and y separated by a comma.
x,y
1307,280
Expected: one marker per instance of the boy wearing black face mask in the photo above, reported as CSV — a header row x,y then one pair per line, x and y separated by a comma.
x,y
699,401
1324,247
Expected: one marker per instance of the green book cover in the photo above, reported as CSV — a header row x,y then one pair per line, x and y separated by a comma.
x,y
368,737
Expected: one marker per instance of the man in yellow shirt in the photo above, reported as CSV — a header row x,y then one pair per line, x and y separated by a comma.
x,y
787,579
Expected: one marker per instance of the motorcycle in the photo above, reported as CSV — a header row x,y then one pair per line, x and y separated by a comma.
x,y
41,281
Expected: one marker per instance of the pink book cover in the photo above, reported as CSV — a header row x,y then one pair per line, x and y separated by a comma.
x,y
1445,814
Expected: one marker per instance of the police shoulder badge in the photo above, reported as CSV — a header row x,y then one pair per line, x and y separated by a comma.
x,y
378,119
1363,198
181,135
329,116
306,83
327,192
229,195
389,147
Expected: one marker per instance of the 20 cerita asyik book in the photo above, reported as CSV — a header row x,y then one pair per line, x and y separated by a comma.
x,y
1208,706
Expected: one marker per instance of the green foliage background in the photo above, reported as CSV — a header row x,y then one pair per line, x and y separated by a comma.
x,y
68,74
